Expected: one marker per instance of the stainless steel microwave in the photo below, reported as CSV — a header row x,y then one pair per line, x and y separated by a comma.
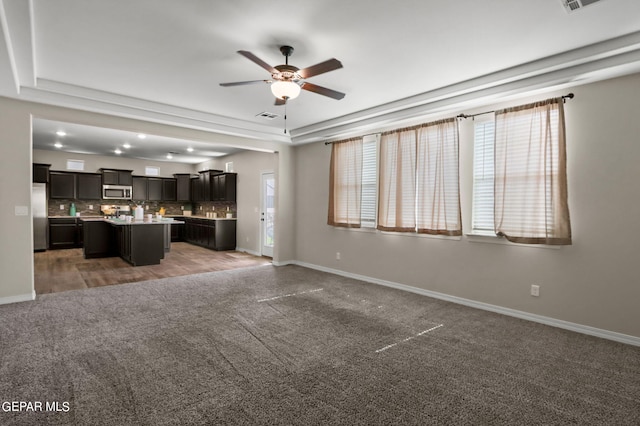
x,y
116,192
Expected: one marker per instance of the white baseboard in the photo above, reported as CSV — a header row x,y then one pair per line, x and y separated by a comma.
x,y
579,328
18,298
244,250
287,262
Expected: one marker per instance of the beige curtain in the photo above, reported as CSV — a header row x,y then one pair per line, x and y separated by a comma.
x,y
530,174
418,179
345,183
438,195
397,181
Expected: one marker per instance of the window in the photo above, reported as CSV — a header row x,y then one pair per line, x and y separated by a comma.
x,y
345,184
152,171
483,177
354,183
369,194
419,190
77,165
519,176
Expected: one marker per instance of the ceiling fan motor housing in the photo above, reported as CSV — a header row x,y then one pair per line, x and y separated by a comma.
x,y
286,73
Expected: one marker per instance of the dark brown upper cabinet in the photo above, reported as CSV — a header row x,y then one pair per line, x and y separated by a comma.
x,y
116,177
89,186
41,173
62,185
183,186
169,189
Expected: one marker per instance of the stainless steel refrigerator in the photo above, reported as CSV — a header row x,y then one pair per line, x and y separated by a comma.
x,y
40,213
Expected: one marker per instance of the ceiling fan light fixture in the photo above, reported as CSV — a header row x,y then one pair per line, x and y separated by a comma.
x,y
285,89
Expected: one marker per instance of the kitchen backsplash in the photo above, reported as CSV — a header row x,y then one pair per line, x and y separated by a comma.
x,y
171,207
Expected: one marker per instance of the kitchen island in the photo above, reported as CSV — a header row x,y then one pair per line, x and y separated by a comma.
x,y
138,242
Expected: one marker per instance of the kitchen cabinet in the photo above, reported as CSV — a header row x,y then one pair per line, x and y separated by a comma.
x,y
196,189
177,231
212,234
64,233
62,185
183,186
169,189
141,244
89,186
223,187
154,189
225,235
99,239
40,173
116,177
139,188
207,184
75,186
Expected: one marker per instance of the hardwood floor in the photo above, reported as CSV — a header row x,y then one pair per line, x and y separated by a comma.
x,y
62,270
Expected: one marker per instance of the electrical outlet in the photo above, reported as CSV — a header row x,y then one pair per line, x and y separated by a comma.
x,y
90,206
337,255
181,207
200,207
535,290
61,206
146,207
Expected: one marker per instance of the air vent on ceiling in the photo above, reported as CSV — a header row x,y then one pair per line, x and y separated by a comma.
x,y
573,5
267,115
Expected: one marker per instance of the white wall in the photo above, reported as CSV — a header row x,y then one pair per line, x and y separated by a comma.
x,y
249,165
16,234
592,283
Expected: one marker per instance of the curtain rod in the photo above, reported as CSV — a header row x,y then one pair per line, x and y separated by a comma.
x,y
564,99
348,139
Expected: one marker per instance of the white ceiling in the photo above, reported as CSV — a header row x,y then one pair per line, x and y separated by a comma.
x,y
82,139
163,60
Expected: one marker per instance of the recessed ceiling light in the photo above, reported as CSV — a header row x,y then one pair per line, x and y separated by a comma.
x,y
117,151
169,156
126,145
142,136
58,145
61,133
190,149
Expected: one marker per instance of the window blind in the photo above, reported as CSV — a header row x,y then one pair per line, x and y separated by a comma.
x,y
345,184
530,204
397,204
483,177
437,192
369,182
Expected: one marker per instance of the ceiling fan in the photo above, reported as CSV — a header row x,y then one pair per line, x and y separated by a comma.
x,y
287,80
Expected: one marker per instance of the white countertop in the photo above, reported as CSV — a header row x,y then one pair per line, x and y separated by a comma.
x,y
203,217
119,222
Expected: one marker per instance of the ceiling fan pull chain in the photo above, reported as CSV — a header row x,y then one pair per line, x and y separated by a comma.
x,y
285,116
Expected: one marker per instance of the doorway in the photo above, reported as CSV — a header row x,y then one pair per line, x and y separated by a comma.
x,y
267,214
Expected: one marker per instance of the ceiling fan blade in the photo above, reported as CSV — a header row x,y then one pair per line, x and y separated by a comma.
x,y
280,102
321,68
250,56
322,90
244,83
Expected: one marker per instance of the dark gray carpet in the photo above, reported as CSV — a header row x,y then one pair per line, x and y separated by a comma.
x,y
225,348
